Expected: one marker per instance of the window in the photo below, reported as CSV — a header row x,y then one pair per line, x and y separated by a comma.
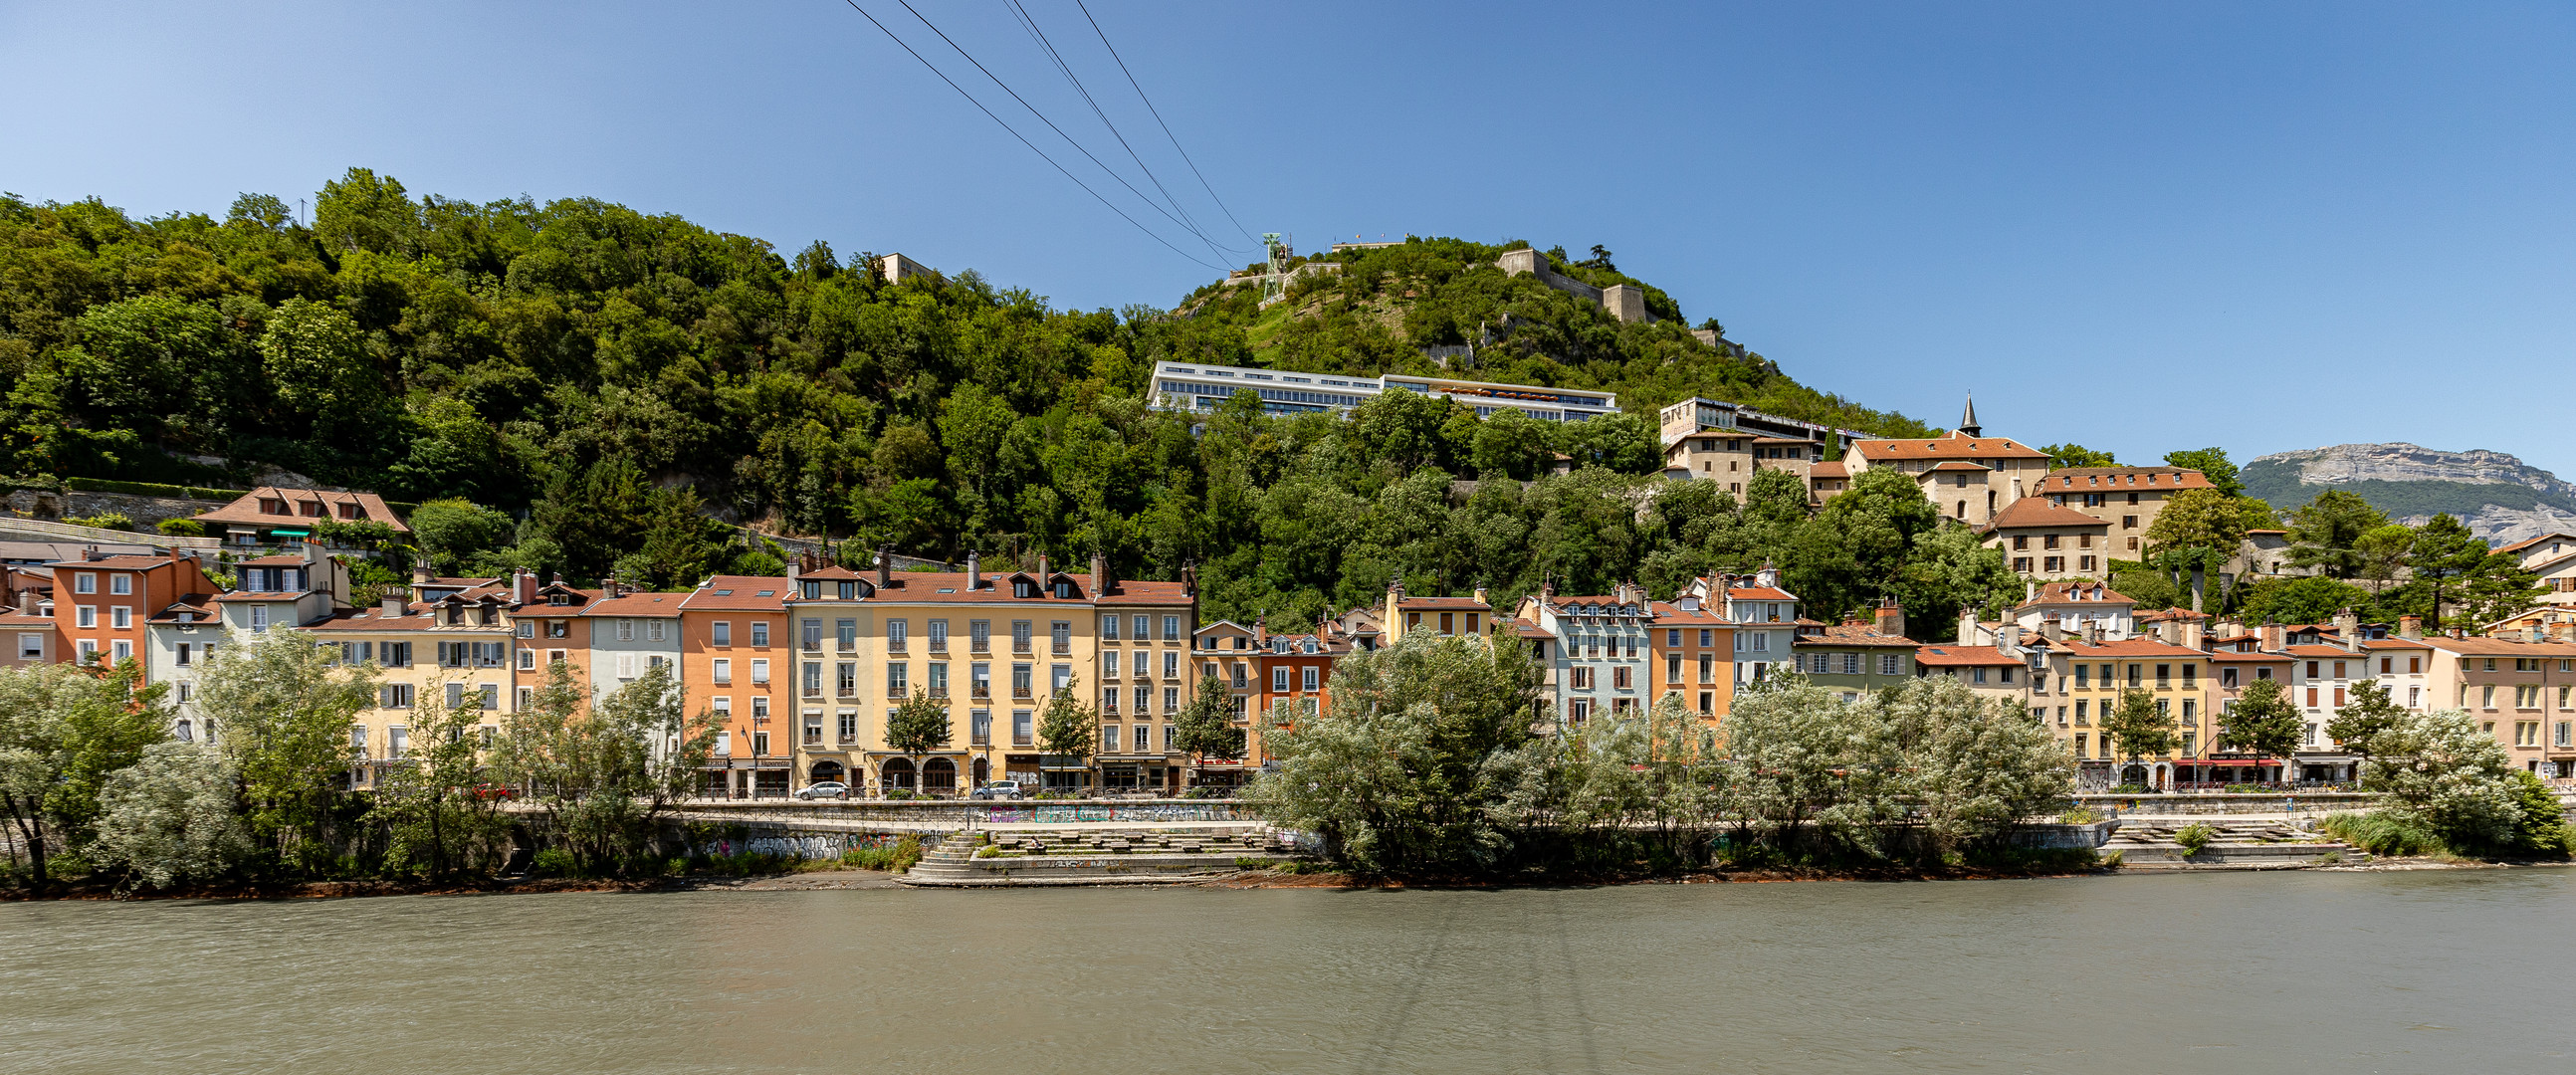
x,y
845,635
1109,739
720,633
1023,731
1171,664
1171,629
760,671
397,741
1142,739
979,727
1060,637
1279,680
491,696
527,659
2081,718
84,583
898,635
1020,630
1307,677
32,648
898,678
813,680
1061,677
626,630
810,636
2526,733
1109,664
121,617
759,709
722,671
120,585
760,632
455,696
846,724
1171,700
394,696
259,617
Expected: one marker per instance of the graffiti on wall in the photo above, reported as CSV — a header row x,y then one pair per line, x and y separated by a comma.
x,y
1137,812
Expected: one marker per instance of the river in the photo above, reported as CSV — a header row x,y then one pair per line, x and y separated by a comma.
x,y
2342,972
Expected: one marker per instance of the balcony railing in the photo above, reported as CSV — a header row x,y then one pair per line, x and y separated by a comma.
x,y
1020,645
982,690
980,645
1021,692
939,692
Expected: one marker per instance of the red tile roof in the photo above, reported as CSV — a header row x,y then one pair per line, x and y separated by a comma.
x,y
1442,604
1950,655
245,510
2133,647
1853,634
738,593
1834,469
2529,542
1761,593
636,604
2499,647
1952,446
2033,511
2229,656
2076,593
117,563
1956,465
2073,478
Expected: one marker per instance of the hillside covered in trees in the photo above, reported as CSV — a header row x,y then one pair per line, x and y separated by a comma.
x,y
580,387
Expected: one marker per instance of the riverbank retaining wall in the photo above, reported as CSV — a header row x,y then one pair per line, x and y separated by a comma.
x,y
2270,803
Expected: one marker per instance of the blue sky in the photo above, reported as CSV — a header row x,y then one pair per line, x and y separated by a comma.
x,y
2138,228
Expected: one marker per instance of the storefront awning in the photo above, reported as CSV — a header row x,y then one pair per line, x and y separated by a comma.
x,y
2223,763
290,533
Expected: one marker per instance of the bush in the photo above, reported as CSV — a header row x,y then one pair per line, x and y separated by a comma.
x,y
897,859
2130,789
2082,815
2193,837
2383,832
2242,789
184,492
113,520
181,528
901,794
988,851
555,862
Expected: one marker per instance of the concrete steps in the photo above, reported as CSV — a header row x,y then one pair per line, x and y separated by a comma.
x,y
2233,845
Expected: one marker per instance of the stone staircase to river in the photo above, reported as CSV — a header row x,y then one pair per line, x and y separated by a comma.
x,y
1110,856
2233,845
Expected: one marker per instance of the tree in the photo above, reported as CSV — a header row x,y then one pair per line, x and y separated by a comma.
x,y
1068,728
2264,722
64,730
2497,588
1205,727
1788,742
317,357
1975,767
1394,777
2306,599
2212,463
2443,551
2384,551
2440,767
918,726
2138,727
455,532
169,817
604,775
439,817
2198,531
285,713
2368,714
2063,456
2324,531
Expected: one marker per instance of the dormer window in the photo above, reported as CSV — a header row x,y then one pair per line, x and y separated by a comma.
x,y
310,508
268,506
1023,588
348,511
811,591
1064,590
558,599
849,591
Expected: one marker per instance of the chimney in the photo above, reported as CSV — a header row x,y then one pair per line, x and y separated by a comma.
x,y
1043,569
396,599
2272,641
2008,640
523,587
2050,629
974,571
26,602
2093,633
420,575
2559,630
1891,617
2459,632
2192,635
1480,596
1768,577
1190,579
2410,626
885,567
1547,587
795,568
607,586
2347,625
2029,590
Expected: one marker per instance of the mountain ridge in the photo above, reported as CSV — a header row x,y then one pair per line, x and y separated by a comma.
x,y
2501,498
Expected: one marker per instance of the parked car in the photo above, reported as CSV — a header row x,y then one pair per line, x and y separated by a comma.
x,y
828,789
1001,789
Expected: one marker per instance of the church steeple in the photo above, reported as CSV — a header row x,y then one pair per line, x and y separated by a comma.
x,y
1968,422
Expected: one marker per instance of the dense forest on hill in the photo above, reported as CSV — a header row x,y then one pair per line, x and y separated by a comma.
x,y
1385,304
575,386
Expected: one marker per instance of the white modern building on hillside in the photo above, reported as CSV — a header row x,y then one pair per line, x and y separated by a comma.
x,y
1203,388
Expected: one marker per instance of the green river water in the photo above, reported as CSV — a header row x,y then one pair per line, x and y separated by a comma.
x,y
2344,972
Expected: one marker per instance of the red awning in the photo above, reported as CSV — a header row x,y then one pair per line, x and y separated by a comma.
x,y
2221,763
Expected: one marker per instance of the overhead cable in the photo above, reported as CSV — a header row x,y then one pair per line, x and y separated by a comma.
x,y
1014,132
1158,118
